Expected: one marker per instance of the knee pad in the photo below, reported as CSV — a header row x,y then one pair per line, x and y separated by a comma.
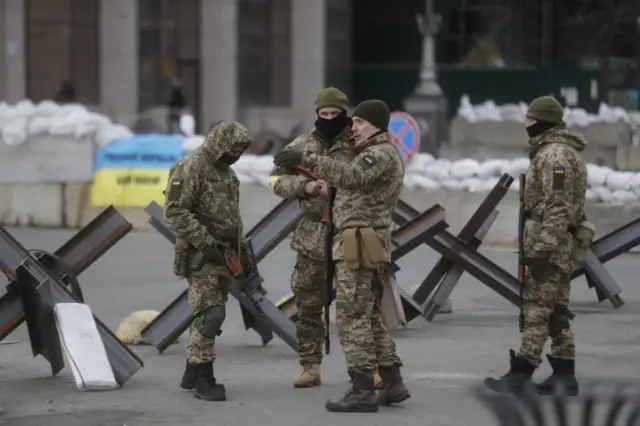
x,y
211,321
559,320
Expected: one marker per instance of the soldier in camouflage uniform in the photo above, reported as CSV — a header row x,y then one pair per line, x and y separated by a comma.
x,y
331,136
368,189
202,209
556,185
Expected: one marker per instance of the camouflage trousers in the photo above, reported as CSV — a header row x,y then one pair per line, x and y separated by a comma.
x,y
545,309
206,290
364,338
308,286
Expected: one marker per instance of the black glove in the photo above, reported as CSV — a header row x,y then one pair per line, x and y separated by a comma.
x,y
538,267
213,254
287,158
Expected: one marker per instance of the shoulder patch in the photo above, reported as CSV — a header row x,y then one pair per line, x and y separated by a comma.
x,y
558,179
368,161
175,189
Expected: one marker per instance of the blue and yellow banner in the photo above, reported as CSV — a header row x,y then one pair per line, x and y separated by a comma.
x,y
133,172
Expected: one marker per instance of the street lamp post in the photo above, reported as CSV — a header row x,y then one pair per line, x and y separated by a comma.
x,y
427,103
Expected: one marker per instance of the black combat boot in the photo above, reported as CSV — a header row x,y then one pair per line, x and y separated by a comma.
x,y
207,389
562,380
516,379
200,378
393,391
361,398
193,371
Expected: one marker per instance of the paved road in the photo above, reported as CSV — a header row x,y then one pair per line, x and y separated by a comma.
x,y
443,359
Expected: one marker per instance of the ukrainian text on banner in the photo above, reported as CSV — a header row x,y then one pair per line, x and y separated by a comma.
x,y
133,172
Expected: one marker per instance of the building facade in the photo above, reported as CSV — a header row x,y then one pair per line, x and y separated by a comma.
x,y
262,61
232,57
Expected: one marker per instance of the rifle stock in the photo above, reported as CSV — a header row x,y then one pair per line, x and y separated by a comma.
x,y
329,268
522,271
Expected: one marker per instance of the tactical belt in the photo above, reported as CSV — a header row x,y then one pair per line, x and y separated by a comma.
x,y
536,218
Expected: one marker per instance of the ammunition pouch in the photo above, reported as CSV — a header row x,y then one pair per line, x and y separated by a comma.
x,y
559,320
362,248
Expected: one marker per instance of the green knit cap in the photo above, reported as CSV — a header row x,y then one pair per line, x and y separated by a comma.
x,y
332,97
546,108
375,112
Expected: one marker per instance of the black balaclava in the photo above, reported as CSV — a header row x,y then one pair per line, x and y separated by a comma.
x,y
333,127
229,159
539,127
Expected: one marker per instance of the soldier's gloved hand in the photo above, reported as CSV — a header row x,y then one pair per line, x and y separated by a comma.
x,y
287,158
213,254
538,267
247,261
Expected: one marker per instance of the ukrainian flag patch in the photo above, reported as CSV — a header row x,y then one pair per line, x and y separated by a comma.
x,y
368,161
558,178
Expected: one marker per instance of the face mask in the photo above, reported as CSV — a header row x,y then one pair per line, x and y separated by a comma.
x,y
333,127
538,128
229,159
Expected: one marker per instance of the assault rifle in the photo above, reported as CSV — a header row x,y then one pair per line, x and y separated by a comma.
x,y
522,271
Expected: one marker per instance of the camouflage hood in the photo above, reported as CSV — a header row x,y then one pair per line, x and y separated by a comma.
x,y
558,134
225,137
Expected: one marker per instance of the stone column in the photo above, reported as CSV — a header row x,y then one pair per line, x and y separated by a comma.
x,y
308,35
12,51
218,61
119,60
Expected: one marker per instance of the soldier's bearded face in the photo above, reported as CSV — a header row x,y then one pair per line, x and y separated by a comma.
x,y
362,130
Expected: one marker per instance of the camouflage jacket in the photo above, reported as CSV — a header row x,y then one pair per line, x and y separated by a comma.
x,y
308,238
368,188
200,185
554,193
